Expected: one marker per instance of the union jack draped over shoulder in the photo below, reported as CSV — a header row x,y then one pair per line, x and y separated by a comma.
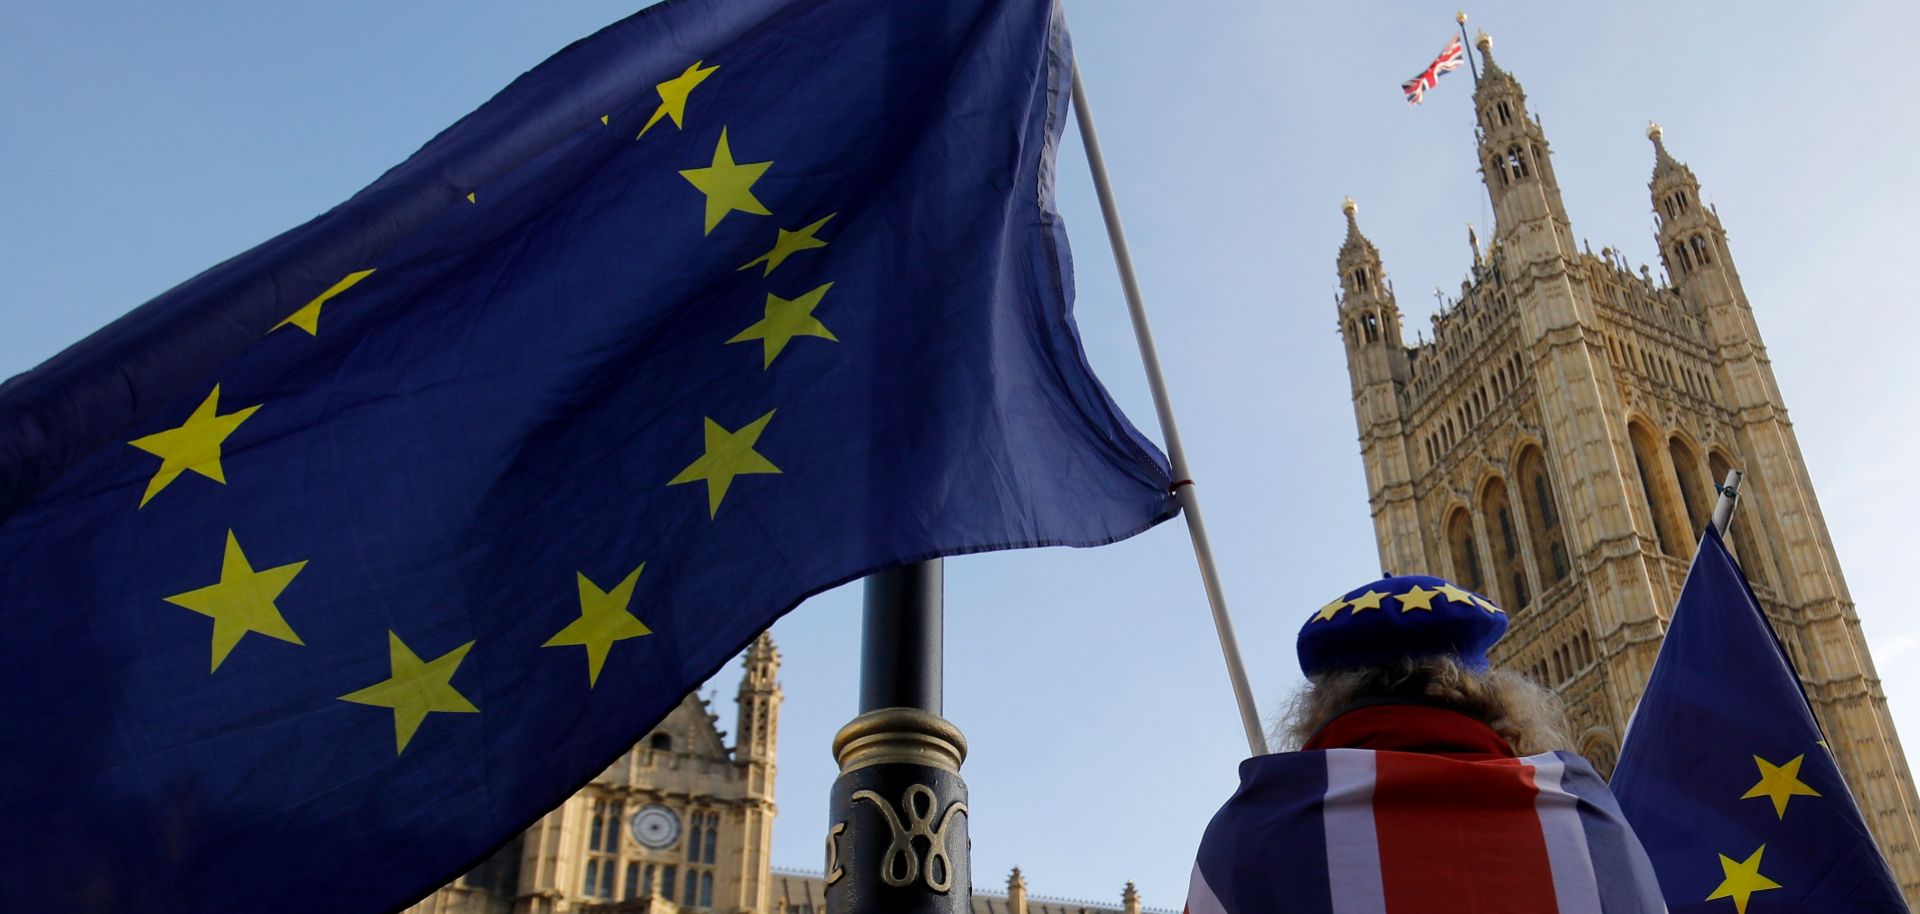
x,y
1354,831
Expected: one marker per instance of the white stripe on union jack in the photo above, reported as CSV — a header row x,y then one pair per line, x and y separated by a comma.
x,y
1353,846
1576,887
1448,61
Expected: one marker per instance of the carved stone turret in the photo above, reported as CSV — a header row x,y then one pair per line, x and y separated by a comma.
x,y
1555,446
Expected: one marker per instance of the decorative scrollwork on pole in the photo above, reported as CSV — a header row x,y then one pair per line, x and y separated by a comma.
x,y
834,869
903,864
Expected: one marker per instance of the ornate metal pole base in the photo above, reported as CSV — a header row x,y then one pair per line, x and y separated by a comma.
x,y
897,829
898,841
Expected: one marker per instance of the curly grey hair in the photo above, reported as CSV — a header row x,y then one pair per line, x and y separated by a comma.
x,y
1530,718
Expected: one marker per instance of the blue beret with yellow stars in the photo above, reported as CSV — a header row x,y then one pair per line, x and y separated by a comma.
x,y
1398,618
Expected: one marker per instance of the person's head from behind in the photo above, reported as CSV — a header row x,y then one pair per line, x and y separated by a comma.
x,y
1416,640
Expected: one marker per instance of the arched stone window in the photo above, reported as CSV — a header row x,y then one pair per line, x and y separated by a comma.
x,y
1680,258
1506,113
1701,250
1371,325
1517,162
1694,491
1509,572
661,742
1463,552
1360,280
1656,485
1547,539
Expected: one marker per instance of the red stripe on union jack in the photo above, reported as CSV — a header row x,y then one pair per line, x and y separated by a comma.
x,y
1448,61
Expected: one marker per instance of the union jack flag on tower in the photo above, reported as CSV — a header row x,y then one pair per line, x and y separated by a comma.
x,y
1448,61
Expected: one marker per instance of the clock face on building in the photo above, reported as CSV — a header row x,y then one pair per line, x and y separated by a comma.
x,y
655,826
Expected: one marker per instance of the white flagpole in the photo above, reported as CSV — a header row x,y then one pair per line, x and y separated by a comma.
x,y
1729,496
1176,455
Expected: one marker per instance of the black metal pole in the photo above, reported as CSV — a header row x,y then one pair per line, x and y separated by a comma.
x,y
897,822
900,645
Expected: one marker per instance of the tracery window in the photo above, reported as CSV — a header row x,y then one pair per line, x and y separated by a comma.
x,y
1693,491
1517,162
1657,486
1701,250
603,845
1509,566
1546,539
1461,548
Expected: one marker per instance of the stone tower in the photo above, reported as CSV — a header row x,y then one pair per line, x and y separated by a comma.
x,y
1556,444
753,752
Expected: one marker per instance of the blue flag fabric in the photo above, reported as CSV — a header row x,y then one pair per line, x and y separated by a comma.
x,y
327,571
1726,777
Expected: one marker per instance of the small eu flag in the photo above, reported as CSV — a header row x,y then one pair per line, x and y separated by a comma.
x,y
327,571
1725,775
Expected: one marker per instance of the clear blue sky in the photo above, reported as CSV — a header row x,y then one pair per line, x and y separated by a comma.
x,y
144,142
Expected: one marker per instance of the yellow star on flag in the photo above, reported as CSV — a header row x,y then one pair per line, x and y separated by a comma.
x,y
1487,605
1742,880
195,445
603,620
1780,784
728,185
673,95
1369,600
242,601
308,317
1417,597
784,320
415,689
728,454
1455,595
1329,611
789,244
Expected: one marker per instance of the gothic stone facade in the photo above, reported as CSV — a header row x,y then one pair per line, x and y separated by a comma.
x,y
587,856
1555,446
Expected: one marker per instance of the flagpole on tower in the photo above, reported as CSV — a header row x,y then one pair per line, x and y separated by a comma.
x,y
1465,42
1183,490
1729,496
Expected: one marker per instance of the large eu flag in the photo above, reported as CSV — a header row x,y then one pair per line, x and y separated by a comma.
x,y
327,571
1726,777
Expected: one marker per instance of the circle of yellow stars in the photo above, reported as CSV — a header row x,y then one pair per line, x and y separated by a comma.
x,y
244,599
